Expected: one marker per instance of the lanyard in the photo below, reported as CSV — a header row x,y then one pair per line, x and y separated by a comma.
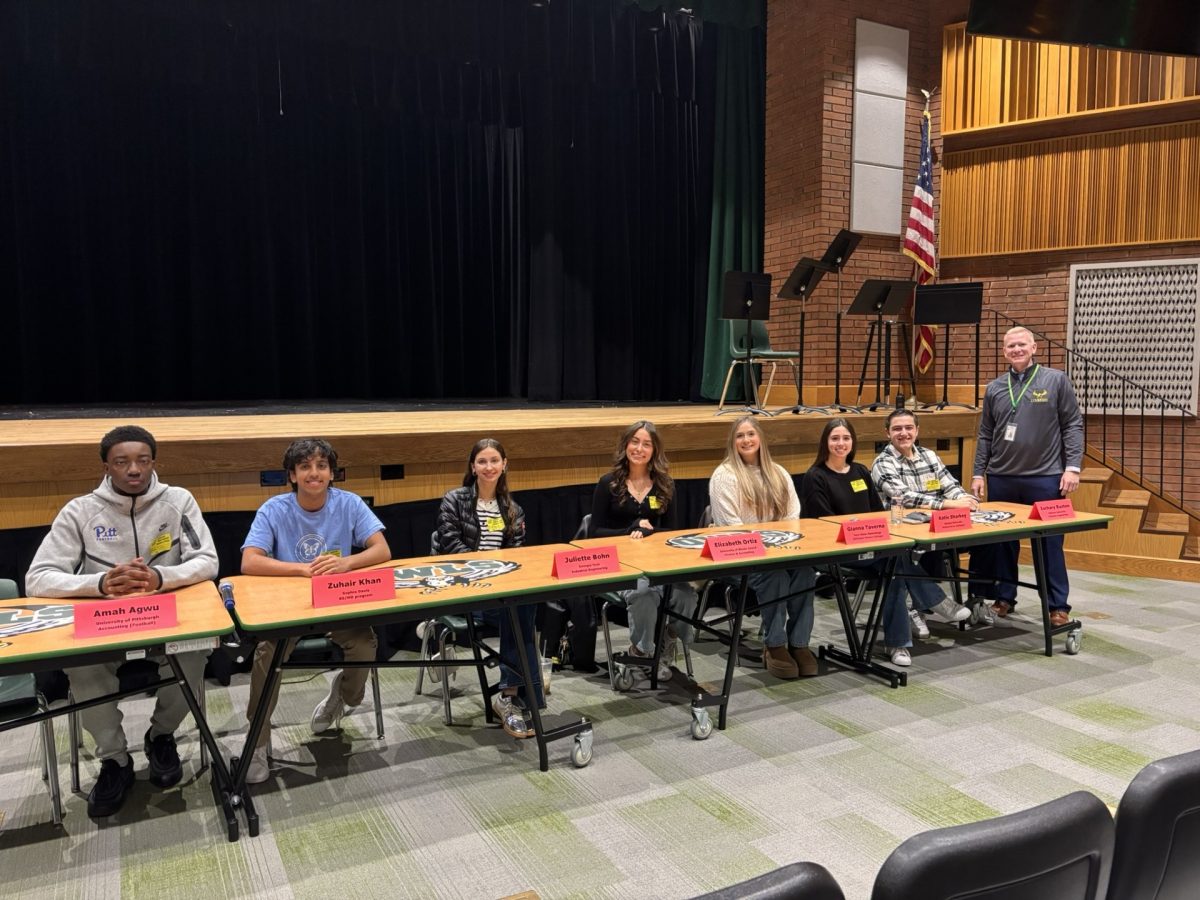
x,y
1015,401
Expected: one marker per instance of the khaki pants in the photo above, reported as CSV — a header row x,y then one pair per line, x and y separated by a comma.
x,y
358,644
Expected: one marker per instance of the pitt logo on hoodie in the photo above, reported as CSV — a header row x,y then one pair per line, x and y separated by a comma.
x,y
106,534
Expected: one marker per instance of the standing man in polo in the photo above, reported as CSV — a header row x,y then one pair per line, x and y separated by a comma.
x,y
1030,448
131,535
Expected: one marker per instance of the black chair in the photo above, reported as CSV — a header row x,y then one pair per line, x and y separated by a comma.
x,y
798,881
1061,850
1157,854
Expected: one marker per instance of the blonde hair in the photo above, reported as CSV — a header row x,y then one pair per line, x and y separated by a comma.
x,y
765,490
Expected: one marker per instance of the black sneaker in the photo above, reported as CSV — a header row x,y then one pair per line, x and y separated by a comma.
x,y
165,768
108,793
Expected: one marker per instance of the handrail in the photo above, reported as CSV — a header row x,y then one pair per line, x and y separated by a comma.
x,y
1115,392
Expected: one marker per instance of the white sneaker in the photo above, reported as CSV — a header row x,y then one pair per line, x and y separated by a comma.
x,y
919,628
981,612
260,765
511,718
898,655
949,611
664,670
329,712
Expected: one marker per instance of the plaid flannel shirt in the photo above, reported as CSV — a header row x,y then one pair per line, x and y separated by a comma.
x,y
894,474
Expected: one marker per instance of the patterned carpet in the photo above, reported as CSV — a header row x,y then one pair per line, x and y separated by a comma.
x,y
836,769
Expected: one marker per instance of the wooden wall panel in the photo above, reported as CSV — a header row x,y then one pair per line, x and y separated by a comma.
x,y
995,81
1120,188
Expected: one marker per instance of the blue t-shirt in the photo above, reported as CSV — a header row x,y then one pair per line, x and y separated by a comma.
x,y
288,532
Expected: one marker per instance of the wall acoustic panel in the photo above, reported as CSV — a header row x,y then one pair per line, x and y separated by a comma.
x,y
877,144
1140,321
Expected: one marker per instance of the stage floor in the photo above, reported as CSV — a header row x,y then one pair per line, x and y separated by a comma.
x,y
405,452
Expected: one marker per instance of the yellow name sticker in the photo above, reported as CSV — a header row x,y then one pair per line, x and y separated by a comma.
x,y
160,544
933,484
653,501
858,485
495,523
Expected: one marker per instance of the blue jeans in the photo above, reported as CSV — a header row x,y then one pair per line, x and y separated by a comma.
x,y
925,594
1000,560
642,605
789,622
510,665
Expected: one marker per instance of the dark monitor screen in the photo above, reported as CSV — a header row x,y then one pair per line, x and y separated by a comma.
x,y
1151,26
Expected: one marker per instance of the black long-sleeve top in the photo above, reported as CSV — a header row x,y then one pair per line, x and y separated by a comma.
x,y
827,493
610,518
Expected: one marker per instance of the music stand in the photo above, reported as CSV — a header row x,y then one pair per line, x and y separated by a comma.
x,y
747,296
801,283
837,254
879,297
950,304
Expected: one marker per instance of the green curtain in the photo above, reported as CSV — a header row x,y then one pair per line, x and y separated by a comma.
x,y
736,242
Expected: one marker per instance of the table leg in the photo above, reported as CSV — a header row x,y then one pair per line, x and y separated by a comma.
x,y
859,655
221,782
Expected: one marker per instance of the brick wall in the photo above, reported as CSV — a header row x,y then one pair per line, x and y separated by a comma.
x,y
810,59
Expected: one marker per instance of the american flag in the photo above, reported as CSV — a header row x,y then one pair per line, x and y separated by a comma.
x,y
920,237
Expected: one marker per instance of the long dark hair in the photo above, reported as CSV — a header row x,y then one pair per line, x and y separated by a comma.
x,y
660,466
823,446
504,499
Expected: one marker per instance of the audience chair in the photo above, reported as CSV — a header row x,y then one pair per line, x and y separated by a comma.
x,y
744,353
446,631
1061,850
19,697
1157,854
798,881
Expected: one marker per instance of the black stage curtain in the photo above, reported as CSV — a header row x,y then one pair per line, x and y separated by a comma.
x,y
208,200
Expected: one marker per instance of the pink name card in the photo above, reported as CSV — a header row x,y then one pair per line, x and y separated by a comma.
x,y
1053,510
943,520
124,615
353,587
723,547
581,563
864,531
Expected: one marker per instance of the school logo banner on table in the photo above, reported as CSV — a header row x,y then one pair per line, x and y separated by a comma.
x,y
437,576
31,617
770,537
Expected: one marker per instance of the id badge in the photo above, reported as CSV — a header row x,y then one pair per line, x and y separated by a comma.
x,y
1010,432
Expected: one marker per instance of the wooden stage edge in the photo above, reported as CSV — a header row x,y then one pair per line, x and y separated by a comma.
x,y
45,462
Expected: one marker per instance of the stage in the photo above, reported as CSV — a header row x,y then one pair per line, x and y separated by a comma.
x,y
228,457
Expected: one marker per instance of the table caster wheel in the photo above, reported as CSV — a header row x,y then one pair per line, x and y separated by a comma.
x,y
702,725
581,751
625,679
1074,641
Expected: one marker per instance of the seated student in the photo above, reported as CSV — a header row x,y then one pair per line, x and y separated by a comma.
x,y
748,488
916,474
132,535
481,515
636,497
308,532
836,485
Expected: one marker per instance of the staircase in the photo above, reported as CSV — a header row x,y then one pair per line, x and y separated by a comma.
x,y
1149,536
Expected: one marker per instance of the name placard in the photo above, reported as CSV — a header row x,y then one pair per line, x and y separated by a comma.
x,y
353,587
124,615
943,520
1053,510
864,531
580,563
723,547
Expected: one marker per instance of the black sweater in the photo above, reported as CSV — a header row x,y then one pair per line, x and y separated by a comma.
x,y
610,518
826,493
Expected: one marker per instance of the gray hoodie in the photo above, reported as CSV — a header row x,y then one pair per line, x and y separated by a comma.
x,y
102,529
